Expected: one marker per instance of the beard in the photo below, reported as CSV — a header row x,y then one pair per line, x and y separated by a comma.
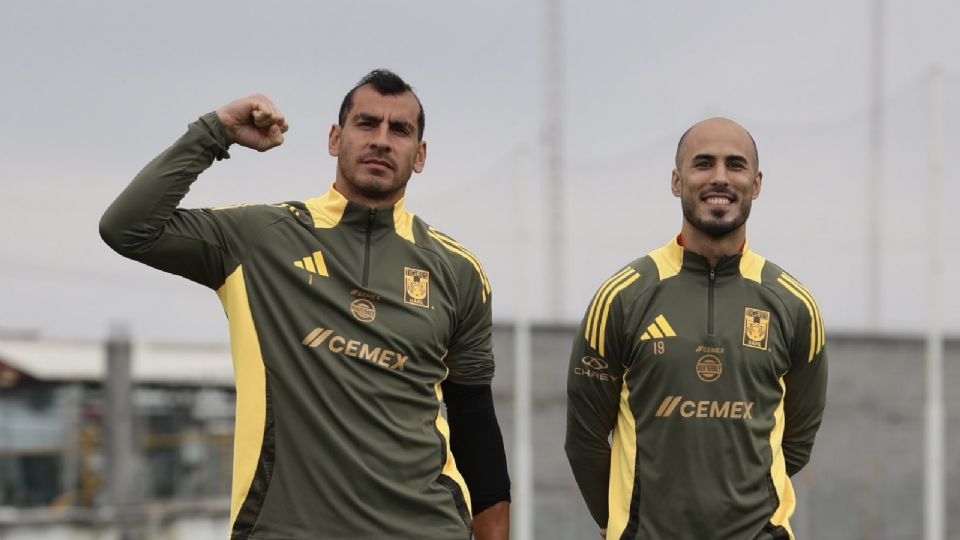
x,y
371,186
715,226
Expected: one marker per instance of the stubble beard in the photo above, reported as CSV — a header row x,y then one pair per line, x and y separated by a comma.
x,y
716,226
372,187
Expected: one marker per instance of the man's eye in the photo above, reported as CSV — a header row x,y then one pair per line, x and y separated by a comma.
x,y
702,164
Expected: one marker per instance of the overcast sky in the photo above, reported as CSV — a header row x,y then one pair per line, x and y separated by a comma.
x,y
93,90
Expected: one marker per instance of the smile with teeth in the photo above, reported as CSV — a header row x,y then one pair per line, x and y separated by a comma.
x,y
718,200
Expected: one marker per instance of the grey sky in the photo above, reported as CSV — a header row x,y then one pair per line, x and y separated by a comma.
x,y
94,90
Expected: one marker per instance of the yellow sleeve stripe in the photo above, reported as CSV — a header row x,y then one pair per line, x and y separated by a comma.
x,y
606,311
816,308
457,248
817,336
598,337
597,300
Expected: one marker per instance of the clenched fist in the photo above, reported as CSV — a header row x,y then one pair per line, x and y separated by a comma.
x,y
254,122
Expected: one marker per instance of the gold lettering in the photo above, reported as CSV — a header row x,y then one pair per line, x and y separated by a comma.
x,y
369,354
702,407
746,410
688,412
386,357
401,361
720,411
737,410
352,348
337,348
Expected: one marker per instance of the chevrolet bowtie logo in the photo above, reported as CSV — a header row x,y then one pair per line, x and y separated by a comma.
x,y
314,265
593,363
659,329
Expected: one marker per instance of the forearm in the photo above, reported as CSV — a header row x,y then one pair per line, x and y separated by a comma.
x,y
590,464
493,523
477,444
135,220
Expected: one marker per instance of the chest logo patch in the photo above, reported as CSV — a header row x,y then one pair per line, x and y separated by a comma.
x,y
709,368
416,287
363,310
659,329
756,328
314,265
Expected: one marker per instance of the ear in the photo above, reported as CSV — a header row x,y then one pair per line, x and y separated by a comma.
x,y
675,183
756,184
421,158
333,141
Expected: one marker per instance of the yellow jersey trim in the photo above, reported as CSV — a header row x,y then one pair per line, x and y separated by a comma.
x,y
327,210
778,470
595,331
817,333
751,265
668,259
458,248
403,222
450,465
623,459
251,384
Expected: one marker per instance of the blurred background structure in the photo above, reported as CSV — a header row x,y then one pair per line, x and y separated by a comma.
x,y
551,128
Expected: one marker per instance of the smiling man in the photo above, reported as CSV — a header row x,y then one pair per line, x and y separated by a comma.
x,y
707,365
351,320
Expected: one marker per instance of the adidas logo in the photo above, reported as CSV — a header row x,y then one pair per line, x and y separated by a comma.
x,y
659,329
314,265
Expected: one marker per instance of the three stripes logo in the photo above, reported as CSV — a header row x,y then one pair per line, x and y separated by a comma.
x,y
659,329
817,337
313,265
596,327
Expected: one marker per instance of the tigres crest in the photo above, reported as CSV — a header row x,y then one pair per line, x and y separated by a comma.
x,y
416,287
756,328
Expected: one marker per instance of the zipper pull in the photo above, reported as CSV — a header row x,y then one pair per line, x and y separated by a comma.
x,y
713,275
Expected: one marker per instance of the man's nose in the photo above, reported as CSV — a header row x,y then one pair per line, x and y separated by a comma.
x,y
381,138
720,175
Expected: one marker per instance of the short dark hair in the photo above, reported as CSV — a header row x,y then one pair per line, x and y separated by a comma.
x,y
386,83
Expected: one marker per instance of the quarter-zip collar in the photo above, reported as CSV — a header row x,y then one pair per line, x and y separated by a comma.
x,y
673,257
333,209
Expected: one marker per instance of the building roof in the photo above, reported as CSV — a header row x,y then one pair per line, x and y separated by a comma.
x,y
83,361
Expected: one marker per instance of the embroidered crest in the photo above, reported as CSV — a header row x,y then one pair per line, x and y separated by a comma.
x,y
756,328
416,287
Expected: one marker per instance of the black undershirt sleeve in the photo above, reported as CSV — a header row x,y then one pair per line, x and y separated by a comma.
x,y
476,443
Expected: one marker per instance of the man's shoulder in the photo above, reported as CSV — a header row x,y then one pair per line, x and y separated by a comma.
x,y
631,280
791,291
458,257
262,215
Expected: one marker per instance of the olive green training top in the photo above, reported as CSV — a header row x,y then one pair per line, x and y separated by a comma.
x,y
712,382
344,320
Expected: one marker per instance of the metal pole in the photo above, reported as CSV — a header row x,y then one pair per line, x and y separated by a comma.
x,y
875,169
523,469
118,397
553,151
935,492
523,477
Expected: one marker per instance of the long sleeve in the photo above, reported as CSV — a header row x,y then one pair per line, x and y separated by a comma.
x,y
592,405
806,387
144,223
